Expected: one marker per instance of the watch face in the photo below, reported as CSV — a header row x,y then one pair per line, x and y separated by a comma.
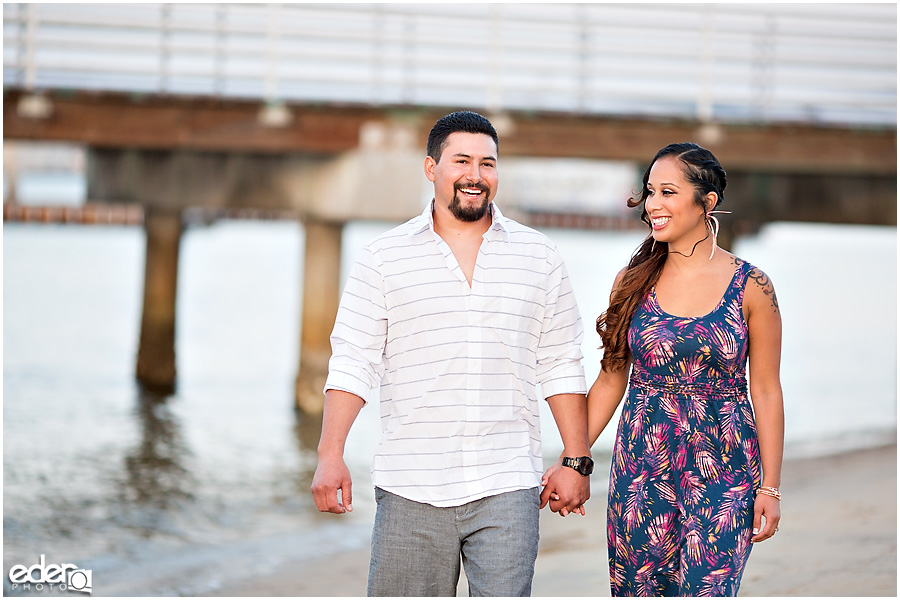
x,y
583,465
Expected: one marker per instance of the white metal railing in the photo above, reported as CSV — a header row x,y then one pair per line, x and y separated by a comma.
x,y
833,63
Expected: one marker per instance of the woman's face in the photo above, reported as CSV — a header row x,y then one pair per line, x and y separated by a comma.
x,y
675,215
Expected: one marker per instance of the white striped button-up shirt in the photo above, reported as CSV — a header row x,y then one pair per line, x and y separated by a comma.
x,y
457,365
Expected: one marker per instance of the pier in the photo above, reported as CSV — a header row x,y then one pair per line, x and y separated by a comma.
x,y
162,157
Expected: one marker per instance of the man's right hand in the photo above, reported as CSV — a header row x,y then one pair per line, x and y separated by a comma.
x,y
332,476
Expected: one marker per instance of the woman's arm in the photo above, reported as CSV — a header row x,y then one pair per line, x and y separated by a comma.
x,y
609,388
603,399
764,322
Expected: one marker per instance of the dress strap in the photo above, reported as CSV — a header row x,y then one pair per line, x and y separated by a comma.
x,y
739,283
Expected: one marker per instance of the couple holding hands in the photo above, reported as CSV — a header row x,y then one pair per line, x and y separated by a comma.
x,y
458,314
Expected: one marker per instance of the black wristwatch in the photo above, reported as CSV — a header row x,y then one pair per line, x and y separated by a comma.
x,y
583,464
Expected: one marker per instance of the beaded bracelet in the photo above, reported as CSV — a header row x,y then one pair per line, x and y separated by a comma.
x,y
769,491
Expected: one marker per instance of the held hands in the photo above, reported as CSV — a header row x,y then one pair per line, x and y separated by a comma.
x,y
769,508
331,477
565,490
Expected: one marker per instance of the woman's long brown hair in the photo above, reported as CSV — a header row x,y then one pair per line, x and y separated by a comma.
x,y
705,173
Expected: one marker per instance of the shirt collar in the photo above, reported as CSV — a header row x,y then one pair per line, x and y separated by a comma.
x,y
497,231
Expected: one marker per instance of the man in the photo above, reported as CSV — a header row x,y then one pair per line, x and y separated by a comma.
x,y
457,315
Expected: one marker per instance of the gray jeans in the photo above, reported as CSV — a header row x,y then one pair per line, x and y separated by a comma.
x,y
416,547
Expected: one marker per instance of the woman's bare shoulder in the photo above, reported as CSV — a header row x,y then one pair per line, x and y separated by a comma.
x,y
760,290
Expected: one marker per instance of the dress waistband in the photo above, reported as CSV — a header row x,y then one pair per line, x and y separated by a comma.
x,y
718,387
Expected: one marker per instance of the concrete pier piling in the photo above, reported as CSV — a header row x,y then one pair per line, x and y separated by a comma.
x,y
321,286
156,352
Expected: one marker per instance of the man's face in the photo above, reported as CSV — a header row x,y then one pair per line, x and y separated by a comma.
x,y
465,178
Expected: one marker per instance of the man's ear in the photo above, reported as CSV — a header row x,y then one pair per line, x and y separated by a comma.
x,y
429,168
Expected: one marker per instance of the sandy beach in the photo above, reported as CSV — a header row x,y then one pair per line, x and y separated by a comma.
x,y
838,537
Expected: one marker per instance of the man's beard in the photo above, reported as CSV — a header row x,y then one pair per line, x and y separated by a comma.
x,y
469,214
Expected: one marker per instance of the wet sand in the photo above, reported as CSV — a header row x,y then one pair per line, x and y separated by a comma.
x,y
838,537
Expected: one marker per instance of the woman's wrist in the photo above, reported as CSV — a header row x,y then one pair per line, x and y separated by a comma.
x,y
769,491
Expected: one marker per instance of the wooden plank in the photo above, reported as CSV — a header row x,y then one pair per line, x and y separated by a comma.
x,y
180,123
170,122
776,148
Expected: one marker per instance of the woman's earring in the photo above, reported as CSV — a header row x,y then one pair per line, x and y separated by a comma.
x,y
713,224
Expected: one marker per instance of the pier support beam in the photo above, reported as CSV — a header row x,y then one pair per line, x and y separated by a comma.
x,y
321,289
156,353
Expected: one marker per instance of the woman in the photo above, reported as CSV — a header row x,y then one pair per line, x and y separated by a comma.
x,y
692,483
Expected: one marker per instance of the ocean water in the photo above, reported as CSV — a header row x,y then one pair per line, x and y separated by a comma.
x,y
183,495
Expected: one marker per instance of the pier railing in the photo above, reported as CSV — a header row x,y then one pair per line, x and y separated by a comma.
x,y
762,63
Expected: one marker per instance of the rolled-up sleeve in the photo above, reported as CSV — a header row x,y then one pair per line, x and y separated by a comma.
x,y
559,368
360,331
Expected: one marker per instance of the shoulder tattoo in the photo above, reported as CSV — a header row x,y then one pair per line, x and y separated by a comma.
x,y
765,284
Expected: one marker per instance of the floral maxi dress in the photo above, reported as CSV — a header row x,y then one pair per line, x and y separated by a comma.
x,y
686,458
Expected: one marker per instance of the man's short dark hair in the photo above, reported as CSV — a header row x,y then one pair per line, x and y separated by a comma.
x,y
465,121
